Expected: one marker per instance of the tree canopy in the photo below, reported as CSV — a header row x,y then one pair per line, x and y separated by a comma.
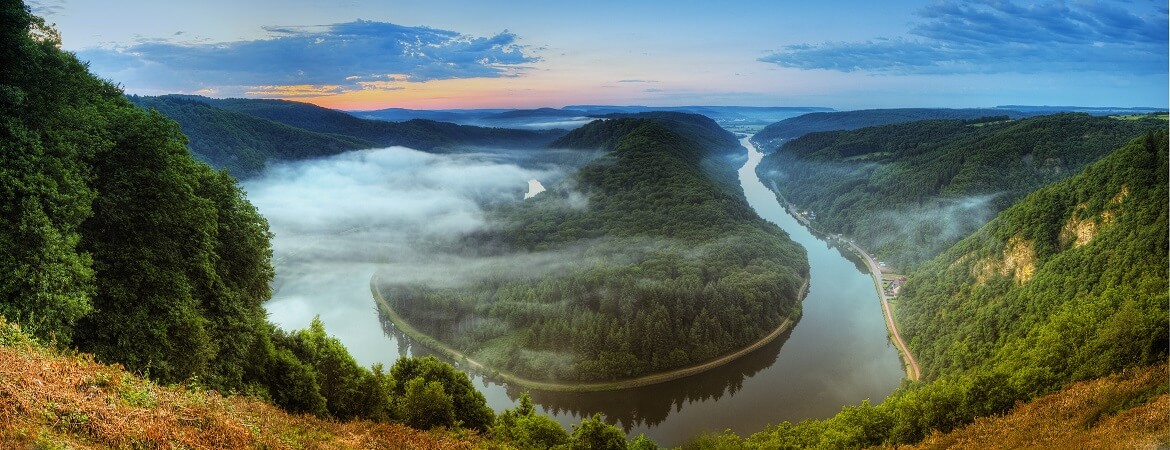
x,y
663,264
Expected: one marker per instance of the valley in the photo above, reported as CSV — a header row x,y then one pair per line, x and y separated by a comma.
x,y
589,231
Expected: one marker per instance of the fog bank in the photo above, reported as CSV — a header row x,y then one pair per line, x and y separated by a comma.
x,y
338,220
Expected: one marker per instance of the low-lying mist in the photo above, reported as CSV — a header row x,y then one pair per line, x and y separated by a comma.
x,y
376,205
338,220
948,220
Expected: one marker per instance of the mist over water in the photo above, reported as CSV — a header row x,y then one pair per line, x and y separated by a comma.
x,y
336,221
396,212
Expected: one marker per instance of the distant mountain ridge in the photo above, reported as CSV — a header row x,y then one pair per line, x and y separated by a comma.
x,y
773,135
241,143
578,115
243,135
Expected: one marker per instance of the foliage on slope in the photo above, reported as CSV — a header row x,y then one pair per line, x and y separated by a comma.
x,y
696,128
118,236
241,143
54,400
772,136
655,266
1068,284
909,191
1125,410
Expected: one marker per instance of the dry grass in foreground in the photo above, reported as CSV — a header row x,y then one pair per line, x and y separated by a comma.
x,y
53,400
1129,410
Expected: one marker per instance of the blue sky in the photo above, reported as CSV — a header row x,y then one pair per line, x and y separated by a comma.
x,y
367,54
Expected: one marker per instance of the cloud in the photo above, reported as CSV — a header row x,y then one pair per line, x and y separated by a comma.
x,y
995,36
343,55
46,8
300,90
637,81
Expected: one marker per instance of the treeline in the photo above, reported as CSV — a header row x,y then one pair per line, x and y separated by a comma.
x,y
244,135
701,130
772,136
118,243
659,267
241,143
909,191
419,134
1069,284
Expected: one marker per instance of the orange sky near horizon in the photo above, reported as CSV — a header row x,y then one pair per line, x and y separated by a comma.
x,y
467,93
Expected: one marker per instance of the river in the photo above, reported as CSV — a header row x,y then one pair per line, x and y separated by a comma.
x,y
837,354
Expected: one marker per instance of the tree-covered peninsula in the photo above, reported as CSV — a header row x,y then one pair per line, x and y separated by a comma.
x,y
656,262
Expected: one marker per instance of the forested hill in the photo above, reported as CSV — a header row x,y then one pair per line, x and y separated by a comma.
x,y
241,143
718,152
652,265
1068,284
694,127
775,134
909,191
419,134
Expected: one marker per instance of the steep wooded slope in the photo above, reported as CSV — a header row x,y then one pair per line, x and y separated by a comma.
x,y
909,191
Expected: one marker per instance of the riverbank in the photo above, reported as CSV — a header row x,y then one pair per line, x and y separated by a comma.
x,y
913,371
527,383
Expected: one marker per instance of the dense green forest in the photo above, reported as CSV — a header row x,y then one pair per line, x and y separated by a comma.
x,y
774,135
659,265
119,243
1069,284
909,191
241,143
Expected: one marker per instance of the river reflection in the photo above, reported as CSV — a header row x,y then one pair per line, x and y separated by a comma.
x,y
640,408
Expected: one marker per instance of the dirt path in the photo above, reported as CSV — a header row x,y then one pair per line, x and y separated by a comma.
x,y
527,383
913,372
